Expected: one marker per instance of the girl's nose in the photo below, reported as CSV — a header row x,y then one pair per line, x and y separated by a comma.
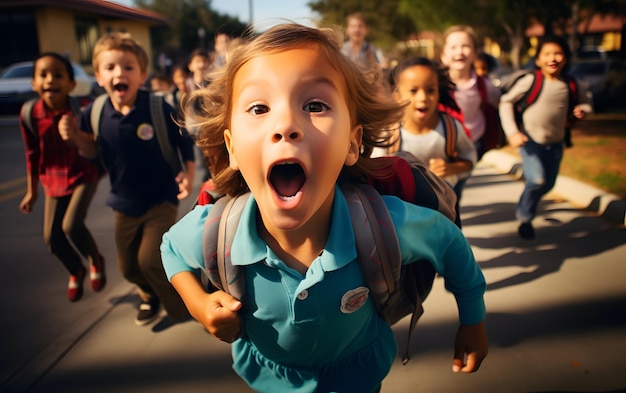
x,y
287,128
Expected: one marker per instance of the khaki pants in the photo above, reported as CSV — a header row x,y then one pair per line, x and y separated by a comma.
x,y
138,242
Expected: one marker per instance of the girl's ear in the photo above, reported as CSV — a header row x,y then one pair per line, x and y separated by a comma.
x,y
231,151
354,145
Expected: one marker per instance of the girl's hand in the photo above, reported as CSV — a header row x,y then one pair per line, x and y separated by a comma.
x,y
518,139
470,348
579,113
438,166
68,127
27,203
184,186
218,314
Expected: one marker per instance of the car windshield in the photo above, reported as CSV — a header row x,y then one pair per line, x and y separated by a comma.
x,y
18,72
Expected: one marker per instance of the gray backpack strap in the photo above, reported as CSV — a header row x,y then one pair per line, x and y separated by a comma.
x,y
377,244
160,128
27,116
96,114
217,239
397,290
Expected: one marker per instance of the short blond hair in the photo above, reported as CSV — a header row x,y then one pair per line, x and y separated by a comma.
x,y
123,42
369,102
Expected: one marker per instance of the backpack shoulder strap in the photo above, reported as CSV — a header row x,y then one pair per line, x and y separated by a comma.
x,y
219,232
75,105
27,116
96,114
396,290
531,95
377,245
572,86
160,127
450,133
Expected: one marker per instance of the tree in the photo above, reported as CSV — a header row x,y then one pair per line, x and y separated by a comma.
x,y
193,25
386,25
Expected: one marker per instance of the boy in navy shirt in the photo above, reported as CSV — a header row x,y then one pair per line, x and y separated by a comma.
x,y
144,188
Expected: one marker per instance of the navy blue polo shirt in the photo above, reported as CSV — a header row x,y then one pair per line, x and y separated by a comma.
x,y
139,174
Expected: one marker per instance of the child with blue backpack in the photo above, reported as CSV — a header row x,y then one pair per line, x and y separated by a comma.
x,y
541,131
282,121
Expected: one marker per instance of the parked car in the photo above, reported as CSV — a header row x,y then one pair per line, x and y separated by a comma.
x,y
605,79
15,86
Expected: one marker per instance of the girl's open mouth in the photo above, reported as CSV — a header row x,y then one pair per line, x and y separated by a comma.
x,y
287,179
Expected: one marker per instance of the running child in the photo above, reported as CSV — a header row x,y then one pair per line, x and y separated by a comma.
x,y
69,180
424,86
540,136
145,190
293,114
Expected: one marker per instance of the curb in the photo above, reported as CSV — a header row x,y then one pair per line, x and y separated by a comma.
x,y
607,205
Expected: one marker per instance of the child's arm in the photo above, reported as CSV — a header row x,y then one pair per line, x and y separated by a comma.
x,y
181,253
31,147
443,168
470,348
424,233
68,129
506,110
466,156
585,101
32,183
185,180
216,311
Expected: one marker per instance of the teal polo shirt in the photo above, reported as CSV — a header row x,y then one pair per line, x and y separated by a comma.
x,y
310,332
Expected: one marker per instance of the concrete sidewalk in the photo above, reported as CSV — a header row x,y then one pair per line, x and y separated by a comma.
x,y
556,316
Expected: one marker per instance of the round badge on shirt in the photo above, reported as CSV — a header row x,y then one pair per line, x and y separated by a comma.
x,y
145,132
354,299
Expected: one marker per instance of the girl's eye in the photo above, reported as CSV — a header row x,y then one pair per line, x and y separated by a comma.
x,y
316,106
258,109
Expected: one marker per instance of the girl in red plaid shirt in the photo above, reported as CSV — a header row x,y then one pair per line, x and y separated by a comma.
x,y
69,181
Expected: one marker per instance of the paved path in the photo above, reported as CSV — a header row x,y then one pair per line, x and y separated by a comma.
x,y
556,318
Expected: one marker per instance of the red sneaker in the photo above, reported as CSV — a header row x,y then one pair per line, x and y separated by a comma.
x,y
97,278
75,286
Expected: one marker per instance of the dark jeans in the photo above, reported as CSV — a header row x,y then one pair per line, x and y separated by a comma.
x,y
541,167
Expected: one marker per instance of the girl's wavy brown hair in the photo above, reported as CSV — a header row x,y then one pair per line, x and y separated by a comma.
x,y
208,110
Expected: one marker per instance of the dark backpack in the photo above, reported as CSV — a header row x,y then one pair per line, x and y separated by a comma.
x,y
158,118
27,113
397,290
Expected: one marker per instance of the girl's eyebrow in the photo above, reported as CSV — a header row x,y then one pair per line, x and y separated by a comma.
x,y
314,80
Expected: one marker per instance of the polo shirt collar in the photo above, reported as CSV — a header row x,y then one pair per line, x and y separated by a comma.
x,y
248,247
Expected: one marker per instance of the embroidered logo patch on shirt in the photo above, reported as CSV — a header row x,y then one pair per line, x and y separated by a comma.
x,y
145,131
354,299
